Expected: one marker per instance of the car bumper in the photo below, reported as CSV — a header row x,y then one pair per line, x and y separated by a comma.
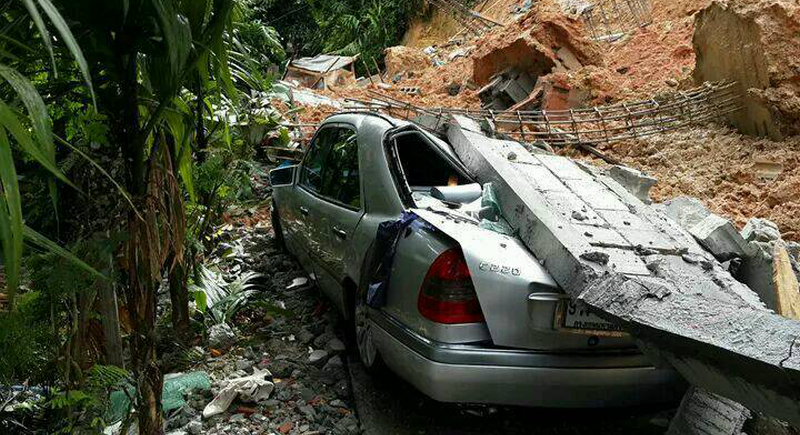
x,y
475,374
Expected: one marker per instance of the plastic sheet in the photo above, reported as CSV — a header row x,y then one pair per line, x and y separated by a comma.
x,y
172,396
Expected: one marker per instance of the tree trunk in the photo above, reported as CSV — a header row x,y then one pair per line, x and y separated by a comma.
x,y
109,316
150,383
179,295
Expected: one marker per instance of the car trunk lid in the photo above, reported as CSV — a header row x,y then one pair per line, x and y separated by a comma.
x,y
522,304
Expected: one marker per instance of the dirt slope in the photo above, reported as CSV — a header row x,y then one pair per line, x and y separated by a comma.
x,y
714,163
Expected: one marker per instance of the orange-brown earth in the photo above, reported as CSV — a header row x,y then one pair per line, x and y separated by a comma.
x,y
713,162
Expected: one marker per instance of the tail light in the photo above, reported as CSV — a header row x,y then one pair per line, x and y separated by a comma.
x,y
447,294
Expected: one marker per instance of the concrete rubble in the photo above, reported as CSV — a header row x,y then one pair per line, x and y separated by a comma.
x,y
760,230
303,398
635,266
721,238
636,182
221,337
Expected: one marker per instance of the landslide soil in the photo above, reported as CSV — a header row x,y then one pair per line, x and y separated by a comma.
x,y
713,163
717,165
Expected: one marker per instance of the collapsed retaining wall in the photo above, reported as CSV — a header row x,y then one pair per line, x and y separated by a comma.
x,y
757,44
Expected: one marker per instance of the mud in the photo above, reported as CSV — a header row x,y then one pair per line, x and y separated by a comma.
x,y
401,59
719,166
756,43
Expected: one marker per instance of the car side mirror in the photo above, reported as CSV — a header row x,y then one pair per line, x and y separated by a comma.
x,y
282,176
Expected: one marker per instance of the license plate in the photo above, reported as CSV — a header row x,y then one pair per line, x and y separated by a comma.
x,y
577,318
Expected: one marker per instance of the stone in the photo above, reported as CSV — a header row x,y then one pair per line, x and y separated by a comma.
x,y
760,230
235,418
720,237
221,337
323,339
195,427
686,211
308,412
306,394
333,364
318,357
244,365
286,427
335,346
281,368
305,336
635,182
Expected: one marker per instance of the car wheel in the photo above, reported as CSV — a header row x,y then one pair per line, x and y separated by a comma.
x,y
363,335
277,228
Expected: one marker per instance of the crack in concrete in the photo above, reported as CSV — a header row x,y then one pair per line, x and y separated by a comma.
x,y
791,346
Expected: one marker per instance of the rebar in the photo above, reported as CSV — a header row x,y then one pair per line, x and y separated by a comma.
x,y
609,20
589,126
469,19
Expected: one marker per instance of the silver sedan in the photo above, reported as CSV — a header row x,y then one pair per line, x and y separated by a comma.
x,y
413,253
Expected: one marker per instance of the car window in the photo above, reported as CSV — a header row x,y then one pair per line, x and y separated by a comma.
x,y
311,172
340,176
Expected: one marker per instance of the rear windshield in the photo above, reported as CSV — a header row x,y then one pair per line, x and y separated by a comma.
x,y
423,166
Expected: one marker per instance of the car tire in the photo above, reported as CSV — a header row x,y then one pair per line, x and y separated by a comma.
x,y
360,329
277,228
363,338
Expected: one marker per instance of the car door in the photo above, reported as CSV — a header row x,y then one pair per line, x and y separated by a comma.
x,y
336,212
303,228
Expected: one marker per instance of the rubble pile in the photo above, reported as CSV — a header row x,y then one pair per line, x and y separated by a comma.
x,y
283,373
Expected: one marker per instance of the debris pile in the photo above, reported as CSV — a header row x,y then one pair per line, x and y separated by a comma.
x,y
637,268
281,372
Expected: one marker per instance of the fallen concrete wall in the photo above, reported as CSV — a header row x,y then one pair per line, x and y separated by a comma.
x,y
635,266
757,44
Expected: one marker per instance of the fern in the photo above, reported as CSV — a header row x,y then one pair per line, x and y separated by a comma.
x,y
102,378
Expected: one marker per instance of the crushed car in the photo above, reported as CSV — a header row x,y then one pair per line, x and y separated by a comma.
x,y
435,287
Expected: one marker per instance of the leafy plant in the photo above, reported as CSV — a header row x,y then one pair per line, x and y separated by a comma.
x,y
219,300
87,406
26,342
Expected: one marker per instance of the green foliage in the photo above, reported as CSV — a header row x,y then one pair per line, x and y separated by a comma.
x,y
26,340
88,405
223,299
345,27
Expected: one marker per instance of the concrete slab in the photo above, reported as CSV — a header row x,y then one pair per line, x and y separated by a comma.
x,y
638,183
680,303
721,238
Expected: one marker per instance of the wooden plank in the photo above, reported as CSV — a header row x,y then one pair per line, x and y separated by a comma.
x,y
787,289
679,303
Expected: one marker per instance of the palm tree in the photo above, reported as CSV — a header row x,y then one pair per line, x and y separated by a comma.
x,y
146,52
